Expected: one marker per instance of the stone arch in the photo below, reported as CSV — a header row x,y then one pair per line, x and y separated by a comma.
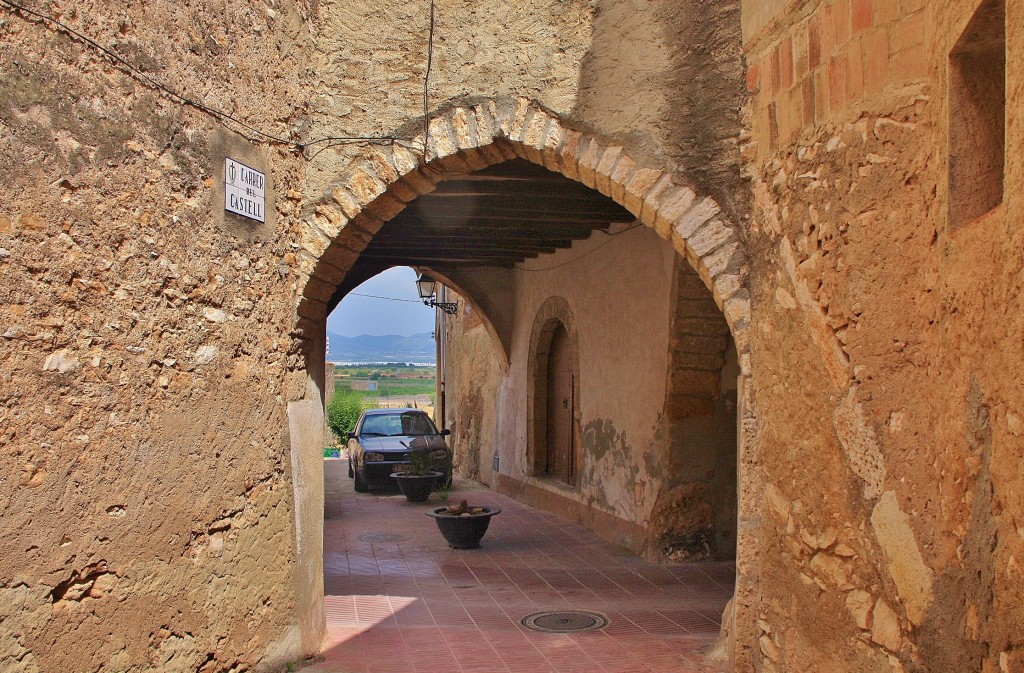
x,y
475,296
554,312
467,138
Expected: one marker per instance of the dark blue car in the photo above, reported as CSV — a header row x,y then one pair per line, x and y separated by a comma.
x,y
382,441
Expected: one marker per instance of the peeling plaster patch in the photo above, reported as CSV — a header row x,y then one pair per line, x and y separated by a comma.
x,y
80,583
600,436
609,464
859,444
912,577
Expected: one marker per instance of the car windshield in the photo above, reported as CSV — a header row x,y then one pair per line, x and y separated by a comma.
x,y
405,424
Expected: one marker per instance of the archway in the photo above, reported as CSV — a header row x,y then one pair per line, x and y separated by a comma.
x,y
470,138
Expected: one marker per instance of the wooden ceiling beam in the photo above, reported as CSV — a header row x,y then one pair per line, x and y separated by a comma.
x,y
435,207
458,250
426,238
418,258
507,220
448,190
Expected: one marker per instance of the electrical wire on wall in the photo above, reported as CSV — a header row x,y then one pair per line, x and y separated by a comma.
x,y
240,126
426,85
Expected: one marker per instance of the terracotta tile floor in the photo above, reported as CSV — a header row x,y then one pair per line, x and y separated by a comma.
x,y
418,606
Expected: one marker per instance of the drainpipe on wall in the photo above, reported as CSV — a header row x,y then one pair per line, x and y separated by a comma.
x,y
442,296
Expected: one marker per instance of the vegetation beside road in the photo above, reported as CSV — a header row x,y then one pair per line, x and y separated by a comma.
x,y
342,413
393,381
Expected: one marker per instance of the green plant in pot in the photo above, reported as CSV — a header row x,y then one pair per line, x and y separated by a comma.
x,y
424,470
463,525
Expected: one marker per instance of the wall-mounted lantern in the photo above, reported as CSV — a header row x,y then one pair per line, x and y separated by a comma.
x,y
425,286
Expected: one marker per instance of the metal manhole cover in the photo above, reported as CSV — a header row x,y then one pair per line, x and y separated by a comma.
x,y
384,537
565,622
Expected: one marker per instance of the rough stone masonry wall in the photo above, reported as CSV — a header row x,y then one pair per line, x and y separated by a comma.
x,y
147,510
472,376
694,516
886,352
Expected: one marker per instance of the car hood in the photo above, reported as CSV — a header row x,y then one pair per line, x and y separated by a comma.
x,y
395,443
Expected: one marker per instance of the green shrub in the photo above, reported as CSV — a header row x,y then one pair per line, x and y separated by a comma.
x,y
342,413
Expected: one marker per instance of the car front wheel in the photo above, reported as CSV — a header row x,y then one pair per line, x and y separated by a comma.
x,y
360,485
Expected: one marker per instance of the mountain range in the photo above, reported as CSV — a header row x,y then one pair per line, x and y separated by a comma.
x,y
418,348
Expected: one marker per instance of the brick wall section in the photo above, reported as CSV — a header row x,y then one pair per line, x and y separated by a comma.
x,y
698,349
841,52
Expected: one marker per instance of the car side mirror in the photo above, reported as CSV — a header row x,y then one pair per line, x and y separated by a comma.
x,y
445,432
351,435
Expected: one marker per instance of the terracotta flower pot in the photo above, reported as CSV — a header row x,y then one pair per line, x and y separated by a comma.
x,y
463,531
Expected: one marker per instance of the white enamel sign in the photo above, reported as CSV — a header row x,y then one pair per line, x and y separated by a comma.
x,y
245,190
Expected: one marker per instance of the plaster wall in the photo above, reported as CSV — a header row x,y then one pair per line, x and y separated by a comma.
x,y
617,289
658,469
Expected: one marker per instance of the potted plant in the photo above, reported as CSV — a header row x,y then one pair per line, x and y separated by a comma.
x,y
419,479
463,525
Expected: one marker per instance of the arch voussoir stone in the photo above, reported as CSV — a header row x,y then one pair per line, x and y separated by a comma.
x,y
604,168
386,206
640,184
569,154
464,127
711,236
468,138
329,220
676,203
589,161
522,112
364,184
620,176
535,136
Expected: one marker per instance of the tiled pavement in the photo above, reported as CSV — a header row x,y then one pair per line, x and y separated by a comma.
x,y
418,606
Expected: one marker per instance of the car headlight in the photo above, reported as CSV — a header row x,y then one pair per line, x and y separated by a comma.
x,y
439,454
373,457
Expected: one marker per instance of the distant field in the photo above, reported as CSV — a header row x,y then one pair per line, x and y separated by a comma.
x,y
391,381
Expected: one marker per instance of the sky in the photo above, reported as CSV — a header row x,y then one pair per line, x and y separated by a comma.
x,y
356,315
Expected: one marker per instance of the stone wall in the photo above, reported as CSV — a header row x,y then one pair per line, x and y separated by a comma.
x,y
472,375
162,400
147,503
884,366
694,516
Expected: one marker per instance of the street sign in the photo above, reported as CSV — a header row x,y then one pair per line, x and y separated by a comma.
x,y
245,190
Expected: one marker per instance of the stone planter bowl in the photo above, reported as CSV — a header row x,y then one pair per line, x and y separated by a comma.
x,y
416,487
463,531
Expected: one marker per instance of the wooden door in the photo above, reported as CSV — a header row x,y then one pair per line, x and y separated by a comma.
x,y
561,459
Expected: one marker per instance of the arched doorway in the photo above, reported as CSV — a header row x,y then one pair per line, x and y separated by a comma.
x,y
561,383
554,394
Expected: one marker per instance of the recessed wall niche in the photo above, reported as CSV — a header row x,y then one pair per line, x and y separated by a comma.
x,y
977,115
